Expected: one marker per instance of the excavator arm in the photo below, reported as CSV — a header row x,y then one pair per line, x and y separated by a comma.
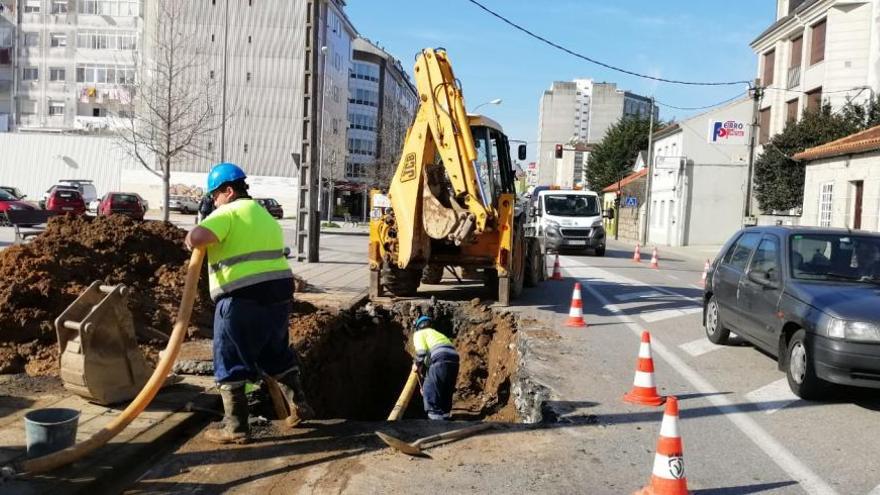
x,y
435,192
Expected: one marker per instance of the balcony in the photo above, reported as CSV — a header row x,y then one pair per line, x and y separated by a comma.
x,y
794,77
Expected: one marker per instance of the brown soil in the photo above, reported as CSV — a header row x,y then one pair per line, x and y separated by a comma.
x,y
43,277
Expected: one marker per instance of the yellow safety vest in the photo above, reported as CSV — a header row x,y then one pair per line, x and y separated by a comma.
x,y
250,251
431,343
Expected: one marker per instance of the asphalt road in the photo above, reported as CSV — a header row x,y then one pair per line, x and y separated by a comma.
x,y
743,430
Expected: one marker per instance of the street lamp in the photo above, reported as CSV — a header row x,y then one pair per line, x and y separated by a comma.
x,y
496,101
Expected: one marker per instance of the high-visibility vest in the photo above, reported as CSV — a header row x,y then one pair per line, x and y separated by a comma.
x,y
250,251
431,343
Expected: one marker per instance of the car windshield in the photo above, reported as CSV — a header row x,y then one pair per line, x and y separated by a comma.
x,y
571,205
835,257
5,196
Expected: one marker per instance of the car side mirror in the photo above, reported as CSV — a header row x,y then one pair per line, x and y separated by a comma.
x,y
609,214
521,152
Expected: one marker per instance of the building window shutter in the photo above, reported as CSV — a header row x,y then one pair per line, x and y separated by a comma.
x,y
814,99
764,135
817,47
797,46
791,111
769,65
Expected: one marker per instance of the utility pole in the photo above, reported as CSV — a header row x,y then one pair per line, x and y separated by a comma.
x,y
225,74
757,94
307,221
650,180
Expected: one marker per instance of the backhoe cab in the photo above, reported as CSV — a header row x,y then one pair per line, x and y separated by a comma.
x,y
452,200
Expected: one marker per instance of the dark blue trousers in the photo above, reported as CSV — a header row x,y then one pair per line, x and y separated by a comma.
x,y
439,386
250,337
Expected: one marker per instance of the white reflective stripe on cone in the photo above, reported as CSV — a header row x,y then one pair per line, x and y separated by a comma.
x,y
575,311
669,427
669,468
644,380
645,350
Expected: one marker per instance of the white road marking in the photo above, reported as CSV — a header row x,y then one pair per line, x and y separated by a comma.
x,y
782,457
773,397
636,295
875,491
699,347
654,316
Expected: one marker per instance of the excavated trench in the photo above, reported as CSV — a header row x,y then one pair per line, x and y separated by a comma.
x,y
356,362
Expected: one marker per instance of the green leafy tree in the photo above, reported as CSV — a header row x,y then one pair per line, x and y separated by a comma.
x,y
614,156
779,180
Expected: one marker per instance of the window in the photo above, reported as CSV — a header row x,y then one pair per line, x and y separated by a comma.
x,y
211,75
739,254
56,74
57,40
119,8
56,108
817,46
32,6
31,39
662,213
765,260
769,66
764,134
814,100
248,76
791,111
797,47
105,73
28,107
59,6
30,74
106,40
249,38
245,147
826,196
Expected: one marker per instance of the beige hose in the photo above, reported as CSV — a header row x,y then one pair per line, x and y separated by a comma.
x,y
146,395
405,396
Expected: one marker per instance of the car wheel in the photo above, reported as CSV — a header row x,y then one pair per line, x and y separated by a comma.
x,y
800,370
599,251
715,331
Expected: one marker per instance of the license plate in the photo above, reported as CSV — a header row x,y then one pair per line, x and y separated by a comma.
x,y
67,208
578,243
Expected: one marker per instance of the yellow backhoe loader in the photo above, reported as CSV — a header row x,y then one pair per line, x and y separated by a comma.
x,y
452,200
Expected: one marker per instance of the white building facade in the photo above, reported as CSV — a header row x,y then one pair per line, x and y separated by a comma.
x,y
579,112
699,177
817,51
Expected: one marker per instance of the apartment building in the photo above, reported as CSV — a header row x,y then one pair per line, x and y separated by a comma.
x,y
7,54
580,111
816,51
381,106
73,62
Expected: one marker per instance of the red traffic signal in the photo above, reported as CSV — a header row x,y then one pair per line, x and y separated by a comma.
x,y
558,151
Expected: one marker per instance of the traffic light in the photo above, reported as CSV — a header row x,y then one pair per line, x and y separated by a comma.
x,y
558,151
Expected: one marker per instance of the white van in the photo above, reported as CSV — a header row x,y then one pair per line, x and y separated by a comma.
x,y
568,220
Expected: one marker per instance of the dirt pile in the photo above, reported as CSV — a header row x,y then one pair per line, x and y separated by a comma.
x,y
43,277
355,363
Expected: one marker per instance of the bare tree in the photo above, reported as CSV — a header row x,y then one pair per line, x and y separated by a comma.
x,y
172,101
392,134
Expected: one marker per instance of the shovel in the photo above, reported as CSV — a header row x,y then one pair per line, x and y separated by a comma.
x,y
415,448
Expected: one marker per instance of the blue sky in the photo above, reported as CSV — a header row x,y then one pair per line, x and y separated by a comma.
x,y
677,39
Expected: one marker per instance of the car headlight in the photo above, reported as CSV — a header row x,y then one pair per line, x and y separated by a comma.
x,y
852,330
598,223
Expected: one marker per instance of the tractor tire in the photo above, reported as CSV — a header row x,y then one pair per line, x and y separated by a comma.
x,y
432,274
534,266
401,282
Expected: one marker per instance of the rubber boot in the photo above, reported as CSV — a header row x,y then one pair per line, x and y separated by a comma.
x,y
235,428
290,383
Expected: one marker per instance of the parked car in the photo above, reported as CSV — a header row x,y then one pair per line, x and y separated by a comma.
x,y
122,203
13,191
85,187
807,296
272,206
63,200
183,204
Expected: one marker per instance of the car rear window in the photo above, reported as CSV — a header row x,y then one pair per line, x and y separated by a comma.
x,y
68,195
739,254
124,199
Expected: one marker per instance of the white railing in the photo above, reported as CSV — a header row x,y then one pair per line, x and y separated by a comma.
x,y
794,77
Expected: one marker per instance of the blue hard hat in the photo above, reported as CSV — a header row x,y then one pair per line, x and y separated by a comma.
x,y
222,173
423,321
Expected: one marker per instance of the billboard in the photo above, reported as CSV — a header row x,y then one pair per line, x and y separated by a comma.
x,y
728,132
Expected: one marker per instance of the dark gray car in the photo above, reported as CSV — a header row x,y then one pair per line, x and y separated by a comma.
x,y
809,296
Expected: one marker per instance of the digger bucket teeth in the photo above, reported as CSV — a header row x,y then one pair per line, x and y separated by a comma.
x,y
100,358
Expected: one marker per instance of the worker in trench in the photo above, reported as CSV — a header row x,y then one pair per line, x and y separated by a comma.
x,y
252,285
436,362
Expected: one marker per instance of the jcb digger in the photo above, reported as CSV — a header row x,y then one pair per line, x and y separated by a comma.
x,y
452,200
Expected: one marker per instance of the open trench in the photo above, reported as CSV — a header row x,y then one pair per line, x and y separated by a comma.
x,y
356,362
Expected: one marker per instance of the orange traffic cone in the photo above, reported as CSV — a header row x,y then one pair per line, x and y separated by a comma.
x,y
557,273
706,271
644,389
667,477
655,261
637,254
576,312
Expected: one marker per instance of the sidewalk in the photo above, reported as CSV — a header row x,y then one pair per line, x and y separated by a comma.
x,y
341,279
692,253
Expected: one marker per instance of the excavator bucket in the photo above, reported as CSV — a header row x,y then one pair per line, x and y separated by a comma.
x,y
100,359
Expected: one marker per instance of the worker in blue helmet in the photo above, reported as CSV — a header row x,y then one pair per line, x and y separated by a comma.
x,y
437,362
252,285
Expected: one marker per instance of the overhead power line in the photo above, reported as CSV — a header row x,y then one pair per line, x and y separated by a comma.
x,y
597,62
699,108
